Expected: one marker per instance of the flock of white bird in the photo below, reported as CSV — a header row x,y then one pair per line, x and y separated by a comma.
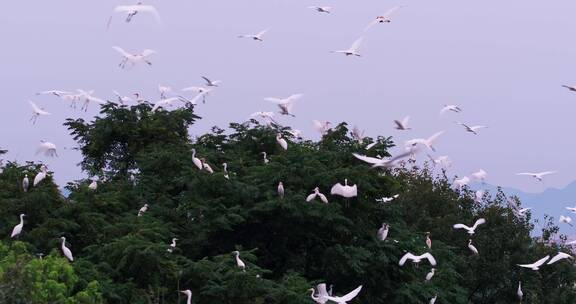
x,y
168,98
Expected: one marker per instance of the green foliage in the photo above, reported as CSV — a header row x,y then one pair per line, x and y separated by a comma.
x,y
288,245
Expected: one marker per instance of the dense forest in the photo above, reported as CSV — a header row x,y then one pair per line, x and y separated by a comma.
x,y
145,190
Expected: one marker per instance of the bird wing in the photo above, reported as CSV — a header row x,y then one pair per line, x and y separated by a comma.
x,y
368,159
275,100
526,173
461,226
337,189
193,89
206,79
124,8
371,24
351,295
322,292
558,257
122,51
405,258
391,11
150,9
432,139
406,120
262,33
479,222
148,52
356,45
541,261
547,173
430,258
311,197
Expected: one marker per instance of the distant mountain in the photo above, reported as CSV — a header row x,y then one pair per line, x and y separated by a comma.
x,y
551,201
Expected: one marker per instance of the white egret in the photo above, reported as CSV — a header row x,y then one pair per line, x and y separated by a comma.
x,y
428,142
188,294
93,185
417,258
565,219
268,117
318,194
371,145
384,18
197,162
133,10
25,183
472,247
472,129
265,158
36,112
164,103
357,135
282,142
88,97
539,176
319,298
344,190
285,104
322,126
443,161
66,251
122,100
164,91
345,298
385,200
206,166
354,49
402,124
536,265
47,148
430,274
58,93
428,240
571,209
256,37
239,262
479,196
519,292
558,257
41,175
472,229
382,162
433,300
452,108
172,245
133,59
281,190
211,83
383,232
225,166
321,9
143,210
201,92
18,228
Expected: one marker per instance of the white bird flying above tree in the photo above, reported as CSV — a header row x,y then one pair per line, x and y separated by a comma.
x,y
402,124
472,129
37,112
354,49
417,258
133,10
133,59
285,104
428,142
255,37
47,148
539,176
451,108
472,229
558,257
384,18
536,265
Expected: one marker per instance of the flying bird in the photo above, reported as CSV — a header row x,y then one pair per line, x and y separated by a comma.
x,y
385,200
18,228
164,103
134,59
211,83
354,49
452,108
428,142
47,148
384,18
472,129
571,88
345,298
417,258
472,229
285,104
66,251
565,220
402,124
133,10
443,161
322,126
536,265
256,37
344,190
37,112
122,100
538,175
382,162
321,9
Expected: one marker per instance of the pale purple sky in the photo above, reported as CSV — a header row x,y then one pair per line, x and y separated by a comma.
x,y
502,61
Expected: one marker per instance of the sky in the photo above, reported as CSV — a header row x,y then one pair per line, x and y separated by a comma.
x,y
503,62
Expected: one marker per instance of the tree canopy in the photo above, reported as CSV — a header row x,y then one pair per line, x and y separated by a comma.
x,y
289,245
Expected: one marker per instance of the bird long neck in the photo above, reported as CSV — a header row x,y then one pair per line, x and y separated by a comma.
x,y
21,219
189,300
312,295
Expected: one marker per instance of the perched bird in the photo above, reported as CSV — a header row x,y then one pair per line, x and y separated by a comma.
x,y
256,37
452,108
344,190
321,9
402,124
134,59
384,18
345,298
417,258
281,190
428,142
519,292
472,229
239,262
47,148
285,104
25,183
354,49
565,219
18,228
188,294
479,196
225,166
320,297
143,210
66,251
36,112
539,176
536,265
472,129
172,245
133,10
282,142
479,175
207,166
433,300
472,247
41,175
430,274
385,200
315,194
93,185
558,257
428,240
383,232
197,162
265,158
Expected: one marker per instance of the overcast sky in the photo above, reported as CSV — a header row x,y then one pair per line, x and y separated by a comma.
x,y
503,62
